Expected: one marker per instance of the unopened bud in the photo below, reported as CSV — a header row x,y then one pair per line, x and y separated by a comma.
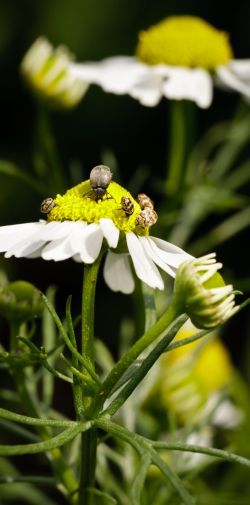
x,y
206,304
20,301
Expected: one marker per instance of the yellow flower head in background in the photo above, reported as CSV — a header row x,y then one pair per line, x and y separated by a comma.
x,y
190,374
185,41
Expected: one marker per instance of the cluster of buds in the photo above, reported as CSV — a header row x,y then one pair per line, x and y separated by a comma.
x,y
47,71
200,292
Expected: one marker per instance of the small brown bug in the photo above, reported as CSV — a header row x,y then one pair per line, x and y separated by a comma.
x,y
100,177
47,205
127,206
147,217
144,201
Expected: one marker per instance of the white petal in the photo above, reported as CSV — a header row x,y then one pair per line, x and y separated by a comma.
x,y
170,253
117,273
110,232
16,233
117,75
148,90
56,230
188,84
57,250
152,250
76,236
92,238
228,76
25,249
241,68
144,266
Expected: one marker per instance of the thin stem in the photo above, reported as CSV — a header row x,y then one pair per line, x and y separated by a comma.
x,y
198,449
130,356
62,470
181,132
88,308
89,439
49,151
147,363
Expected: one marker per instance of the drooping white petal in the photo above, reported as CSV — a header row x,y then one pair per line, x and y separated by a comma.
x,y
144,266
169,253
92,238
236,76
117,75
25,249
110,232
152,251
76,236
57,250
241,68
148,90
188,84
117,273
16,233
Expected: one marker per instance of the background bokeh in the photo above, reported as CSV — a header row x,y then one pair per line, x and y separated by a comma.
x,y
107,127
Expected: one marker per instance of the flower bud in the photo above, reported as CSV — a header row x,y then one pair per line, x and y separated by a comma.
x,y
197,292
47,72
20,301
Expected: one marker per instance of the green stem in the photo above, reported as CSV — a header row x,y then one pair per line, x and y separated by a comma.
x,y
49,151
61,468
181,128
149,336
147,363
89,439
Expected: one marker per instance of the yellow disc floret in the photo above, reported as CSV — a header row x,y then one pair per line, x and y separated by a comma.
x,y
79,204
184,41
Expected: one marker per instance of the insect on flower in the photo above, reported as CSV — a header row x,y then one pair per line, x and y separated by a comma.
x,y
100,177
147,217
47,205
127,205
144,201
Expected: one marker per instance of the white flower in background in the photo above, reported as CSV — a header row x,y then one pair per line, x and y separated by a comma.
x,y
179,58
77,227
47,72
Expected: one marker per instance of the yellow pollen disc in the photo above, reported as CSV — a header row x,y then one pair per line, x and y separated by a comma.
x,y
79,204
184,41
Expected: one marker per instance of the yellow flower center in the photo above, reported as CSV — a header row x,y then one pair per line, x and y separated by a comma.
x,y
79,204
184,41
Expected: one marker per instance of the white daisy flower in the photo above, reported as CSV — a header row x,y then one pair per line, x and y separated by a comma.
x,y
78,226
179,58
47,71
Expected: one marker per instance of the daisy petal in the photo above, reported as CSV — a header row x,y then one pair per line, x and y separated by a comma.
x,y
241,68
25,249
91,243
117,75
56,230
117,273
57,250
76,236
175,254
144,266
234,78
110,232
151,250
148,90
190,84
16,233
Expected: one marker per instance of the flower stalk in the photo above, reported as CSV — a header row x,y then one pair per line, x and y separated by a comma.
x,y
89,438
